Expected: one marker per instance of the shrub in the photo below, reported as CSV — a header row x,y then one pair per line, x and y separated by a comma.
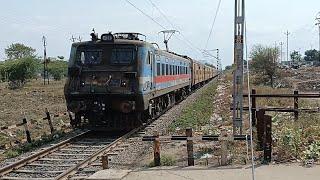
x,y
58,69
312,151
166,160
20,70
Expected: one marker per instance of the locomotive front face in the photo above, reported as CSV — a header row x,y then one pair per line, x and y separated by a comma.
x,y
102,76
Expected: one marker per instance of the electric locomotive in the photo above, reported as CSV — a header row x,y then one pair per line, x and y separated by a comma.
x,y
118,81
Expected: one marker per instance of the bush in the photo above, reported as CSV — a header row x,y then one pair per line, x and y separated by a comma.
x,y
165,160
312,151
58,69
20,70
2,72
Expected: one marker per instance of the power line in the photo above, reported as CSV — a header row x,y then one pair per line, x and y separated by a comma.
x,y
186,40
145,14
213,23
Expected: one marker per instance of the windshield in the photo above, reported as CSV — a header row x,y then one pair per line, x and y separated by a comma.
x,y
122,56
90,57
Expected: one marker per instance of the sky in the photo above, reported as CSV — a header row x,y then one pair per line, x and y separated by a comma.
x,y
267,21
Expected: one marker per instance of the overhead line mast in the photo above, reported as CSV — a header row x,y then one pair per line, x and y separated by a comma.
x,y
238,61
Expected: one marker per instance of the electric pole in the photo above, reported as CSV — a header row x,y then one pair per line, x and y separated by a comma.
x,y
318,24
281,45
287,34
238,61
45,71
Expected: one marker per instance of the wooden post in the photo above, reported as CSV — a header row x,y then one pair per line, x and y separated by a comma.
x,y
156,149
49,121
253,107
224,148
267,139
25,124
105,161
190,147
296,105
260,127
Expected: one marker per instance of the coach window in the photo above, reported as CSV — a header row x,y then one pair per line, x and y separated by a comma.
x,y
167,69
163,69
158,69
170,69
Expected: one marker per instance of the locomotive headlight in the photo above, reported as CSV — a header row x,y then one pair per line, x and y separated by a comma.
x,y
82,84
123,83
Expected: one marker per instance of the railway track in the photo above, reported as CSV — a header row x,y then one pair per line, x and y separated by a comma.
x,y
67,159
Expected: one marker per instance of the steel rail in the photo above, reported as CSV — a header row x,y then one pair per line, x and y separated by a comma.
x,y
73,170
9,168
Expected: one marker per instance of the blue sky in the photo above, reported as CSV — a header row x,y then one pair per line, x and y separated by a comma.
x,y
27,21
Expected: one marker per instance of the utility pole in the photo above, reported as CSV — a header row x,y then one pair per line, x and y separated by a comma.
x,y
318,24
238,61
44,40
281,45
287,34
208,54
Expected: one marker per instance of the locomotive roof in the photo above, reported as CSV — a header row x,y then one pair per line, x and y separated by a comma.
x,y
139,43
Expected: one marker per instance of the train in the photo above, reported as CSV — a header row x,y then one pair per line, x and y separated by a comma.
x,y
120,81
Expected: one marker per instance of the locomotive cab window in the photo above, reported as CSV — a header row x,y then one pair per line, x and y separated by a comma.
x,y
90,57
122,56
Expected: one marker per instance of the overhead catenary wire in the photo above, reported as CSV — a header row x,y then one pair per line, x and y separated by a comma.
x,y
249,101
186,40
213,23
145,14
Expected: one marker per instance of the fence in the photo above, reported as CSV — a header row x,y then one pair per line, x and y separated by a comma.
x,y
25,126
156,139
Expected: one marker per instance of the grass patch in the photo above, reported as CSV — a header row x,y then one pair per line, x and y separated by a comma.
x,y
199,112
298,140
165,160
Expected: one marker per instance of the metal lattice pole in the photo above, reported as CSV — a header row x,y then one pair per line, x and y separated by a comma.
x,y
238,61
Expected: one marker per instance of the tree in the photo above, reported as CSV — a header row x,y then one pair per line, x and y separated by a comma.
x,y
311,55
20,70
296,56
57,68
18,51
264,61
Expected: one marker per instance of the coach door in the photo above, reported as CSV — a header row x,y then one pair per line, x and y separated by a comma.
x,y
152,70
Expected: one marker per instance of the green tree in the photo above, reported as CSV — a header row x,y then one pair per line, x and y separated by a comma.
x,y
296,56
18,51
57,68
311,55
264,61
20,70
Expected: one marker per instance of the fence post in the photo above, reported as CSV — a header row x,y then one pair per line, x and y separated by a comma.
x,y
156,149
25,124
105,161
260,128
224,148
49,121
296,105
190,147
267,139
253,107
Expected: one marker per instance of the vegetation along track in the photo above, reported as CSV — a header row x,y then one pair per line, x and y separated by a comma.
x,y
66,159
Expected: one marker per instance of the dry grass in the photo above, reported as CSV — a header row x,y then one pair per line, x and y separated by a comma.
x,y
31,101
